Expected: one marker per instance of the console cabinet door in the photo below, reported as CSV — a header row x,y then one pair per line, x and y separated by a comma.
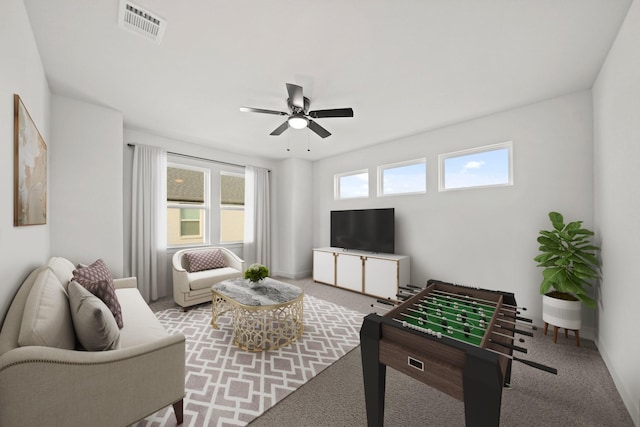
x,y
381,277
324,267
349,272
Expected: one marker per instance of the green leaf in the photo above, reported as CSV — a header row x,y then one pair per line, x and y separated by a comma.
x,y
588,247
548,241
585,232
545,286
543,257
557,220
587,300
589,258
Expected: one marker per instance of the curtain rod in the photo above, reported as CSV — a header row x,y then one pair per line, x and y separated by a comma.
x,y
201,158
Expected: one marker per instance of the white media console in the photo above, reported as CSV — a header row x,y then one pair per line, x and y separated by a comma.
x,y
369,273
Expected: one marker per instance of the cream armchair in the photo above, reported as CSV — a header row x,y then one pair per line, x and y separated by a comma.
x,y
191,288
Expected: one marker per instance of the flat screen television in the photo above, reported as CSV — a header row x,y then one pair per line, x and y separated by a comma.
x,y
364,229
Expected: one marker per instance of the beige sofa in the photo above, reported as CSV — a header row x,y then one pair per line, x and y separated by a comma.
x,y
45,385
191,288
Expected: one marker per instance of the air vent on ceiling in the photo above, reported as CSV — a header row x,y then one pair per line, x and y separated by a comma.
x,y
141,21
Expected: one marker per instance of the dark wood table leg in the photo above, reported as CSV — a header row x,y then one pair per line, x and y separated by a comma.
x,y
373,372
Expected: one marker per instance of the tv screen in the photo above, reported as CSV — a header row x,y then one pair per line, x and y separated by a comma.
x,y
363,229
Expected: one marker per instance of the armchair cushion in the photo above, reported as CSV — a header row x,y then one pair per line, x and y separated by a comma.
x,y
205,260
97,279
46,320
93,322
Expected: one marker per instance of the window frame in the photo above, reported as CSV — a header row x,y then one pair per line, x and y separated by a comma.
x,y
229,207
336,184
397,165
205,206
483,149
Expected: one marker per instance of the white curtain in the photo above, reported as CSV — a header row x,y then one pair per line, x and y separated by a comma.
x,y
148,220
257,221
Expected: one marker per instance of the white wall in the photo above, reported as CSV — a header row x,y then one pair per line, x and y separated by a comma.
x,y
295,218
481,237
86,180
21,72
616,104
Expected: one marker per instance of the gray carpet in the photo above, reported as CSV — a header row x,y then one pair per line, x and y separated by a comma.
x,y
582,394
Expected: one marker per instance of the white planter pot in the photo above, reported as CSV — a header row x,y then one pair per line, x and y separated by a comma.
x,y
562,313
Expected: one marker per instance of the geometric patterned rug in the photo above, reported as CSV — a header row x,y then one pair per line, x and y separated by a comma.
x,y
226,386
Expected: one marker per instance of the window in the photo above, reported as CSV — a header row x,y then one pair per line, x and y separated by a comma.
x,y
231,207
187,205
351,185
408,177
478,167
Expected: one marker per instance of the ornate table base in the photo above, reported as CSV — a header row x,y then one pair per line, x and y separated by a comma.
x,y
259,321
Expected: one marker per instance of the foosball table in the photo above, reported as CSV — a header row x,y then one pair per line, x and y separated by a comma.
x,y
457,339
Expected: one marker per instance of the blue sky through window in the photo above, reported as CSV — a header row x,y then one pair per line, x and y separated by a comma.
x,y
477,169
405,179
352,186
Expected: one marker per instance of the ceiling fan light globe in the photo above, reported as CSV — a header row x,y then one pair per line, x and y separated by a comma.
x,y
298,122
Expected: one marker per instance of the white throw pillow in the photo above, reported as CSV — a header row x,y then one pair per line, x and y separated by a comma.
x,y
95,326
46,320
62,268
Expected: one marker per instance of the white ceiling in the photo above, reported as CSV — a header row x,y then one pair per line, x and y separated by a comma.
x,y
404,66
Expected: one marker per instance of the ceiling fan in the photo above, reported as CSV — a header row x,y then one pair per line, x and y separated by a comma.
x,y
299,114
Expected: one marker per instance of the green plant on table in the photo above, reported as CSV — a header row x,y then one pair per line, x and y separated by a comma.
x,y
569,259
256,272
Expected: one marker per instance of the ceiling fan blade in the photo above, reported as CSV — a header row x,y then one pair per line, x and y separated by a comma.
x,y
322,132
295,95
334,112
280,129
261,110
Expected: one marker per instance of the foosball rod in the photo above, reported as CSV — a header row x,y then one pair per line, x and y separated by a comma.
x,y
511,337
492,305
518,331
486,302
462,331
526,325
517,359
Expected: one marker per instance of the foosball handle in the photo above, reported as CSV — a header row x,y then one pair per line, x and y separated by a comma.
x,y
536,365
524,319
511,346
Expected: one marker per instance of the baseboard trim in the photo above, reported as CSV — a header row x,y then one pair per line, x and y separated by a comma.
x,y
632,406
294,276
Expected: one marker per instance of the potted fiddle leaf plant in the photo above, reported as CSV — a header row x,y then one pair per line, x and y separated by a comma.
x,y
570,268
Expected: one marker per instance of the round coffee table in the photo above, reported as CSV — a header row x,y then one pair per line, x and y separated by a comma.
x,y
265,316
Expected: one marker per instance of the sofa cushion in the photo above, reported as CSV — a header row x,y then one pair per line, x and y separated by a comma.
x,y
93,322
205,260
46,320
140,323
206,279
62,268
97,279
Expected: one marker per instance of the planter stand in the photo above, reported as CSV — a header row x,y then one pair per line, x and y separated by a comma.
x,y
562,313
576,332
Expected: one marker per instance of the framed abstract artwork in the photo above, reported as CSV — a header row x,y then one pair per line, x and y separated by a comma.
x,y
30,169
